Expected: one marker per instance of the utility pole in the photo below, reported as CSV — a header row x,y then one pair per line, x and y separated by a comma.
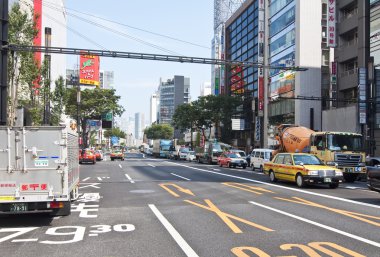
x,y
3,61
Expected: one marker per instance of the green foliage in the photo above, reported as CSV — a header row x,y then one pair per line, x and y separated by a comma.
x,y
159,131
117,132
58,98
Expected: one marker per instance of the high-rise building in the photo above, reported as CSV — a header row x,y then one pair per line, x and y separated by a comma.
x,y
106,79
139,125
153,108
205,89
172,93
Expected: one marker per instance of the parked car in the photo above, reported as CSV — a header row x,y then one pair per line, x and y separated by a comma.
x,y
87,155
231,160
99,155
182,153
303,169
117,155
191,156
373,178
242,154
259,157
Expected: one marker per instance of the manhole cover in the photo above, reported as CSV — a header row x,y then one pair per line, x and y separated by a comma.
x,y
142,191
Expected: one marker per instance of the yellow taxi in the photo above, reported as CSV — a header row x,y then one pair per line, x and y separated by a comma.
x,y
303,169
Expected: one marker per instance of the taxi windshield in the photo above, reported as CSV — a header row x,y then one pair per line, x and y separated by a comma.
x,y
306,160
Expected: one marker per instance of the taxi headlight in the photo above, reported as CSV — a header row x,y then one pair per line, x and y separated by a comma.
x,y
338,173
331,163
313,172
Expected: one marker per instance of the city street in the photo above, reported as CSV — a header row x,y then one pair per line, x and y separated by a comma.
x,y
158,207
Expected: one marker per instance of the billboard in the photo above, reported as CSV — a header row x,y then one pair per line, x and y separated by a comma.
x,y
89,70
331,23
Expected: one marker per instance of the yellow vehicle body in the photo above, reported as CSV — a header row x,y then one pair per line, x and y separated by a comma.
x,y
290,167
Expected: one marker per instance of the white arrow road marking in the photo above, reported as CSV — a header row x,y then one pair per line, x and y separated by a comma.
x,y
151,165
86,179
186,248
94,185
120,166
100,179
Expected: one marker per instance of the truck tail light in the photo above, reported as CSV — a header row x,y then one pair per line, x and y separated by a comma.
x,y
55,205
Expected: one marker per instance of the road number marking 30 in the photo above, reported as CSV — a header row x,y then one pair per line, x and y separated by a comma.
x,y
78,232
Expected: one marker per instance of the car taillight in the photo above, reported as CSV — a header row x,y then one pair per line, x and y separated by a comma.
x,y
55,205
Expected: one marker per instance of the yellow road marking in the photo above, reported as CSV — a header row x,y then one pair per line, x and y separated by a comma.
x,y
249,188
7,198
181,189
227,217
306,249
239,251
354,215
319,246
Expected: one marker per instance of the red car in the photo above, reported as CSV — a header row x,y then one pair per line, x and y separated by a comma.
x,y
232,160
87,156
99,155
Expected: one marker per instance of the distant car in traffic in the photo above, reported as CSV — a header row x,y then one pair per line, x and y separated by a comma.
x,y
182,153
242,155
117,155
191,156
373,178
232,160
99,155
87,155
303,169
259,157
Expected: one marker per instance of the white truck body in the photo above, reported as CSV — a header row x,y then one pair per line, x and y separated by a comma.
x,y
39,169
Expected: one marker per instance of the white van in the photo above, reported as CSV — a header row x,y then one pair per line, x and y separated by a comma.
x,y
259,157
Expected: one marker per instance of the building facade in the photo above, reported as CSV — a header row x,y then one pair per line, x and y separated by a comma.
x,y
206,89
172,93
153,108
106,79
139,125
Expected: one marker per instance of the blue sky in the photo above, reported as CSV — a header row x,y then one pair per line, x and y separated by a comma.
x,y
136,80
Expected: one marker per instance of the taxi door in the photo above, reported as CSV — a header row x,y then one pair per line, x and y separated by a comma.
x,y
279,166
288,168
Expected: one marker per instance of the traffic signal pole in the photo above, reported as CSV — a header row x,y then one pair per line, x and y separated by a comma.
x,y
3,61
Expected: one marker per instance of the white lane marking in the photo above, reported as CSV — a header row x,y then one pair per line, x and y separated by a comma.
x,y
180,176
351,187
120,166
100,179
57,217
151,165
129,178
86,179
25,240
92,234
287,188
216,169
186,248
362,239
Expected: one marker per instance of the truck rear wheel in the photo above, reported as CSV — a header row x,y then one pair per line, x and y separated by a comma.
x,y
349,177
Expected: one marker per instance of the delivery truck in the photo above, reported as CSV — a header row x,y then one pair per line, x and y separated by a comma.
x,y
39,169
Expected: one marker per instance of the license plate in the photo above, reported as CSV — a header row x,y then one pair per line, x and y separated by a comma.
x,y
327,179
349,170
19,207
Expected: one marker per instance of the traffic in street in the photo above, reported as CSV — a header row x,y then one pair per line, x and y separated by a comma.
x,y
160,207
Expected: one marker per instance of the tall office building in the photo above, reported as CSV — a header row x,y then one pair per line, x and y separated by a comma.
x,y
206,89
106,79
139,125
153,108
296,36
172,93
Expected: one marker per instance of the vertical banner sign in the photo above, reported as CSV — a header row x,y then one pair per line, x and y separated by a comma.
x,y
331,22
362,96
257,129
333,94
260,58
89,70
221,56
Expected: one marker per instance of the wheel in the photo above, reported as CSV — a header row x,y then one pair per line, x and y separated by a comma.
x,y
299,180
334,185
272,176
350,178
112,159
244,166
65,211
93,162
229,165
261,169
253,167
220,164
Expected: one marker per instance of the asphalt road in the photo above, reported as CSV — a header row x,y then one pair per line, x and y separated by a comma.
x,y
156,207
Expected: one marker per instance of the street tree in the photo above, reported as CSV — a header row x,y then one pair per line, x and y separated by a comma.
x,y
159,131
186,117
94,103
23,69
114,132
58,97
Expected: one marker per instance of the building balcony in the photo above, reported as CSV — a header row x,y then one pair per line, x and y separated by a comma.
x,y
350,22
343,3
348,79
347,52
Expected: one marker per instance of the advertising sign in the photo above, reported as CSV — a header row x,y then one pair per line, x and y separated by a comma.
x,y
331,23
114,140
89,70
238,124
362,96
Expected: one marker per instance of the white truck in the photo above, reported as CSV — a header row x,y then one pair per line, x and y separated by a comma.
x,y
39,169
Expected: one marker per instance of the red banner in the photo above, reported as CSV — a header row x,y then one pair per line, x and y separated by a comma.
x,y
89,70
